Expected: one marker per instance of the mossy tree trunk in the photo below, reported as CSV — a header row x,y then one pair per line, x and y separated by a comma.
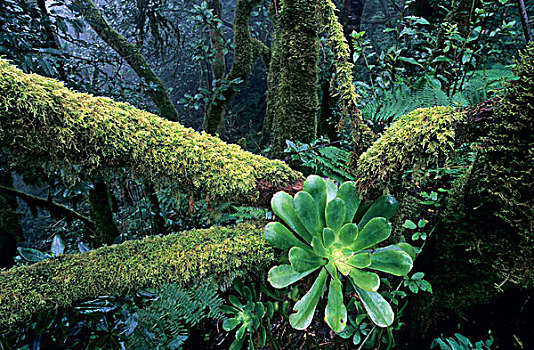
x,y
294,103
101,214
132,55
244,54
158,223
10,229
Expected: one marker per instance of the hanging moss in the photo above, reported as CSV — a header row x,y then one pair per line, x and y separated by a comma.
x,y
41,119
341,84
295,101
121,269
132,55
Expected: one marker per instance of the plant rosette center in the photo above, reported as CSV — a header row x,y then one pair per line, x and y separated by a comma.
x,y
329,229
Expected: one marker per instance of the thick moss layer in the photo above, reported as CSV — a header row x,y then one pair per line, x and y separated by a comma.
x,y
121,269
295,50
417,141
41,119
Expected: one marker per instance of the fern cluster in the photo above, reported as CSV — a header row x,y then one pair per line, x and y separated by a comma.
x,y
166,322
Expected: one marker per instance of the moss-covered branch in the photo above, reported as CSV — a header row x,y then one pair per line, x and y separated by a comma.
x,y
48,204
121,269
131,54
41,119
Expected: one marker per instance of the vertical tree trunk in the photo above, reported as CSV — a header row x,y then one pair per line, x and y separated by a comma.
x,y
524,20
244,54
131,54
101,214
158,224
10,229
351,19
295,100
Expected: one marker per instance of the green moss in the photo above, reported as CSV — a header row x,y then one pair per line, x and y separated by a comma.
x,y
417,141
41,119
341,84
295,100
121,269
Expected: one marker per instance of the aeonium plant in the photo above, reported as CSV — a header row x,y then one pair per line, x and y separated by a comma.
x,y
330,231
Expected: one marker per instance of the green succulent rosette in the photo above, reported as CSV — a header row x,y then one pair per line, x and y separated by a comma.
x,y
330,231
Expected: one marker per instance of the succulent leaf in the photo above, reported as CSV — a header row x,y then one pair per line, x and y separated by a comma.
x,y
303,261
281,237
284,275
331,190
360,261
329,237
343,268
375,231
348,234
348,193
306,209
230,323
364,279
377,307
319,248
395,262
283,207
336,312
305,307
335,214
316,187
384,206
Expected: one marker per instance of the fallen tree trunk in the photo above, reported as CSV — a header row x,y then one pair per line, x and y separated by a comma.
x,y
215,253
41,119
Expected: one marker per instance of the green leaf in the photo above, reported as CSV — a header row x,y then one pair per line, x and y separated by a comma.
x,y
303,261
377,307
336,312
329,237
348,234
365,279
348,193
331,190
335,214
283,207
280,237
385,206
405,247
263,337
418,20
409,224
31,255
58,247
319,248
395,262
306,209
284,275
359,261
410,60
239,339
316,187
375,231
305,307
230,323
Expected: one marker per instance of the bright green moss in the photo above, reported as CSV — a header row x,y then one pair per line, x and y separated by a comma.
x,y
121,269
41,119
417,141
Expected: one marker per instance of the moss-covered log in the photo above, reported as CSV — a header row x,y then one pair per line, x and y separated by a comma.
x,y
295,48
131,54
121,269
41,119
